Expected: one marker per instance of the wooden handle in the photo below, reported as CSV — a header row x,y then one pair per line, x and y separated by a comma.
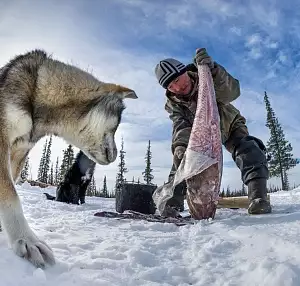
x,y
235,202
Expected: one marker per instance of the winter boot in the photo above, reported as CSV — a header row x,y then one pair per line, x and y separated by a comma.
x,y
257,194
249,154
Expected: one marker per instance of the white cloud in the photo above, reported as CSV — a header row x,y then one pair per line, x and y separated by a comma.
x,y
270,44
236,30
254,39
265,14
282,57
255,53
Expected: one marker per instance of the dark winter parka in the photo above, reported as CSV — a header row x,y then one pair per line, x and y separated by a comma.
x,y
182,109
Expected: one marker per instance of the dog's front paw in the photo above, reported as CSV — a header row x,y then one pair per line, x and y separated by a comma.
x,y
34,250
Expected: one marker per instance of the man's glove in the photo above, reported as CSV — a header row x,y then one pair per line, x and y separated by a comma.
x,y
179,151
202,58
178,155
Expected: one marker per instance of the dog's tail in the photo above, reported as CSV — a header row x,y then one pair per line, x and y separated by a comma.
x,y
49,197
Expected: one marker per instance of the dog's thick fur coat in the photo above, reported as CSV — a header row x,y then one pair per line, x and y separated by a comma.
x,y
41,96
72,189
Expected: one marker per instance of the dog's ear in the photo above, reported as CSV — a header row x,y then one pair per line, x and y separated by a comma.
x,y
125,92
129,94
119,90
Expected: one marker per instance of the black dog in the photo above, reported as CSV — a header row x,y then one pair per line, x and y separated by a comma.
x,y
73,188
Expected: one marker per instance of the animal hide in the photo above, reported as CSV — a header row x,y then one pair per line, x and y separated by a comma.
x,y
202,164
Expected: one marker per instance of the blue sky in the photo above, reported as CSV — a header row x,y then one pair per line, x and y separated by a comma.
x,y
121,41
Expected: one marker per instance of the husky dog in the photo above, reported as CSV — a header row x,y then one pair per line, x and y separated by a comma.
x,y
41,96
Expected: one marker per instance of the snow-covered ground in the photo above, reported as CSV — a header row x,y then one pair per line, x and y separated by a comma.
x,y
234,249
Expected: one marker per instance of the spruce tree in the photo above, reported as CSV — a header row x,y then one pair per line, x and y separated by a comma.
x,y
122,169
42,162
67,161
99,193
63,166
89,191
222,194
51,176
228,192
286,181
243,192
148,177
70,156
46,165
278,148
112,194
92,189
104,190
25,170
56,174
